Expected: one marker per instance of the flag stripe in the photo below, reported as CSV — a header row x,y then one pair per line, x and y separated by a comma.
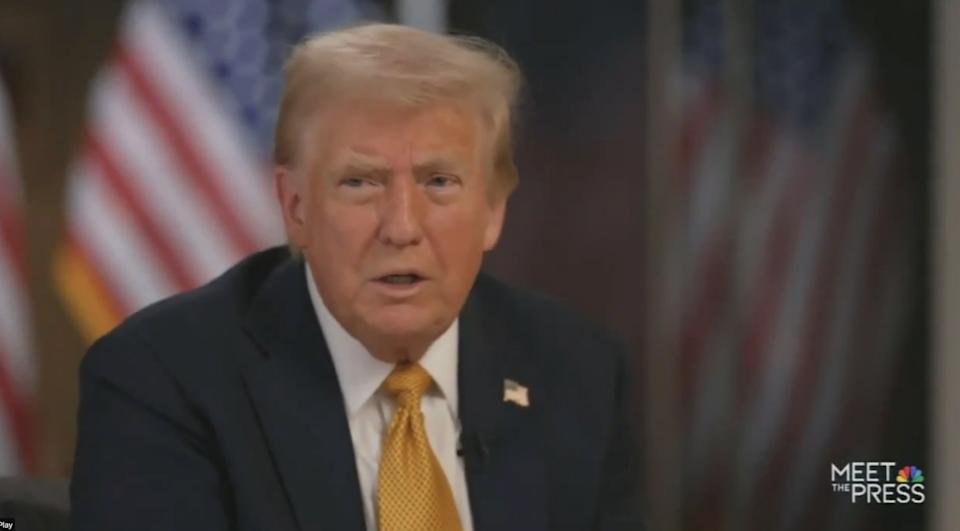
x,y
779,246
16,363
14,323
188,157
821,311
119,185
166,194
124,257
844,344
698,120
216,136
11,230
17,412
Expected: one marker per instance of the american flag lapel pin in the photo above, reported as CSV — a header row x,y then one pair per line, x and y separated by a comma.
x,y
516,393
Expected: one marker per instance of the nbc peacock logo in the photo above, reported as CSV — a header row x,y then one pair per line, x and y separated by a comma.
x,y
910,474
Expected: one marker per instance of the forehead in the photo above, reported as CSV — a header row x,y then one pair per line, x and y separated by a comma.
x,y
376,132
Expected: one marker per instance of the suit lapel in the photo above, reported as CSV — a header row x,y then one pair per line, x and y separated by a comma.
x,y
502,441
296,393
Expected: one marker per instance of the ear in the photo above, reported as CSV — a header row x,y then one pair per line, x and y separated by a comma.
x,y
498,209
290,192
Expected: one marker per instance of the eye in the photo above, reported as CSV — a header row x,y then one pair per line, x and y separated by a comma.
x,y
441,181
354,182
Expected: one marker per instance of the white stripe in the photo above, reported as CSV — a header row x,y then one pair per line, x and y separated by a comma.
x,y
14,307
107,232
144,161
10,464
712,182
14,324
761,209
676,253
218,138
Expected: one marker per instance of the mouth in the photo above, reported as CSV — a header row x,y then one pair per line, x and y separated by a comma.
x,y
400,285
401,279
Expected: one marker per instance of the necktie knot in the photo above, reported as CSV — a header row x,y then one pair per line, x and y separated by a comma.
x,y
407,383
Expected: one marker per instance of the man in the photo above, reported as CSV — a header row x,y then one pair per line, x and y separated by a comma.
x,y
368,377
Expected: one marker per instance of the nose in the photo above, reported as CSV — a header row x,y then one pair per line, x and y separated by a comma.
x,y
401,212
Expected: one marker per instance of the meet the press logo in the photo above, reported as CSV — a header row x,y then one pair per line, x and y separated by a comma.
x,y
879,482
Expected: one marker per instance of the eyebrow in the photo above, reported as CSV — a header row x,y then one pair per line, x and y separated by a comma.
x,y
363,165
439,163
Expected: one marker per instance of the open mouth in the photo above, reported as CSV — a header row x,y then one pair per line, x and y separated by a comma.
x,y
404,279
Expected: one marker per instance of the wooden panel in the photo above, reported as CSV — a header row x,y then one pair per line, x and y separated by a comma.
x,y
49,50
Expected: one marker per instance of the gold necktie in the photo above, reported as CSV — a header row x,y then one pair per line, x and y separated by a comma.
x,y
413,493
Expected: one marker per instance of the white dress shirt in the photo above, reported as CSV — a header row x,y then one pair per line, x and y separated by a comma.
x,y
370,408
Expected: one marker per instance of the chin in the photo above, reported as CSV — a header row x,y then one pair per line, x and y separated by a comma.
x,y
408,325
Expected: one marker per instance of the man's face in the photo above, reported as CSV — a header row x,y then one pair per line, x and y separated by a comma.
x,y
393,212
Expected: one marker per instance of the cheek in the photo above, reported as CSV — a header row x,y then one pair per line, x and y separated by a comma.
x,y
458,239
342,233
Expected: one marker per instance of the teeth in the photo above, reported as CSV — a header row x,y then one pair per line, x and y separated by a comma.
x,y
400,279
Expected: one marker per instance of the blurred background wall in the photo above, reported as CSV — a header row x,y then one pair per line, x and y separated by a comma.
x,y
742,189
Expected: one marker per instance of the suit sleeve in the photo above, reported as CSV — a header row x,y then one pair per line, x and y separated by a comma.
x,y
620,495
145,459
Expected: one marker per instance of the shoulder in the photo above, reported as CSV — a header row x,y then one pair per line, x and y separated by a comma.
x,y
188,328
543,322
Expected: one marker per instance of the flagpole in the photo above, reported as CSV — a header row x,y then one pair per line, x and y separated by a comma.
x,y
660,400
946,263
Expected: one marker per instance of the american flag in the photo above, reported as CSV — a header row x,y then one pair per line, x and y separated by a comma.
x,y
172,184
790,261
16,361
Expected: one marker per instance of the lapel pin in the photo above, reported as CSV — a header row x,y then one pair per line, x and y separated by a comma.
x,y
516,393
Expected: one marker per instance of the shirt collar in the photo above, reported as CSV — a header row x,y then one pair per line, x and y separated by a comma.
x,y
360,374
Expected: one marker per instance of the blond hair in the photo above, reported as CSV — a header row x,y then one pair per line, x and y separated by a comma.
x,y
404,66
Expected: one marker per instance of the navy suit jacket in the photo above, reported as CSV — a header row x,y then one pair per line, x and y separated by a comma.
x,y
220,409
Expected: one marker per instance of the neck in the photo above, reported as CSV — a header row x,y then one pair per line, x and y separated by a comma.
x,y
393,352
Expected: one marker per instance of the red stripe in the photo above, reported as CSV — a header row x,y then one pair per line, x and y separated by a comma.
x,y
703,313
18,411
761,136
200,174
11,234
148,227
694,133
820,312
